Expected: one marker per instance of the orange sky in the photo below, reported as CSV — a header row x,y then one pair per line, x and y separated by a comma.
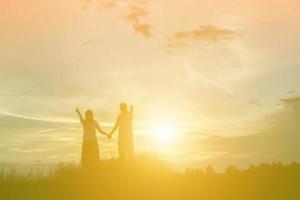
x,y
210,67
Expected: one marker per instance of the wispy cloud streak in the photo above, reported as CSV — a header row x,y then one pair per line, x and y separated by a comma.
x,y
204,33
49,120
22,116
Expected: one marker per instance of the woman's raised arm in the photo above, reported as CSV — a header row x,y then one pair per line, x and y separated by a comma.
x,y
80,115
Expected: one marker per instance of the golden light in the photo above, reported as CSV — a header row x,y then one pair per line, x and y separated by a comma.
x,y
164,132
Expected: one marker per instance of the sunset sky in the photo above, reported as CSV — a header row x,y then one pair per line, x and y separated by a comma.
x,y
222,76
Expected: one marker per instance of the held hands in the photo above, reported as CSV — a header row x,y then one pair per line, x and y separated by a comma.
x,y
109,136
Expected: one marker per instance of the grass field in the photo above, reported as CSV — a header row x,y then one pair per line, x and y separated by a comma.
x,y
149,178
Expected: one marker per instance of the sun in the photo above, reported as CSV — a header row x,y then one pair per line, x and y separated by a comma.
x,y
164,132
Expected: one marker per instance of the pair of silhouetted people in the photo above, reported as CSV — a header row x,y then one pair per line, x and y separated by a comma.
x,y
90,149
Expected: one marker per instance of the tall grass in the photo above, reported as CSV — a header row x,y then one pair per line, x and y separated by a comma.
x,y
149,178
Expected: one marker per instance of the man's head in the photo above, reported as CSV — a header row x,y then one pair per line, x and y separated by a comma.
x,y
123,107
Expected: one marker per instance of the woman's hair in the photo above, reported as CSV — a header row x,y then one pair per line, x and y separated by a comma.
x,y
89,116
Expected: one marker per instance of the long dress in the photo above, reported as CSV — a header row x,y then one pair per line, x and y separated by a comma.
x,y
90,149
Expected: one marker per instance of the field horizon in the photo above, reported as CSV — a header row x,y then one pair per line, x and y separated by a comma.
x,y
150,178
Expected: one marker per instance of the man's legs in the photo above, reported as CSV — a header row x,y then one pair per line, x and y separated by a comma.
x,y
130,148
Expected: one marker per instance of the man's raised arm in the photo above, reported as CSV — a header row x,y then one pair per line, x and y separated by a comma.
x,y
131,110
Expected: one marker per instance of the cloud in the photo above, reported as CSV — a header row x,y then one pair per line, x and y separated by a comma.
x,y
53,130
33,150
16,120
134,17
290,92
22,116
111,4
277,139
89,43
254,102
135,12
204,33
144,29
291,102
86,4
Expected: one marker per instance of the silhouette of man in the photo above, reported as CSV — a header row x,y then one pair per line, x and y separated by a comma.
x,y
125,137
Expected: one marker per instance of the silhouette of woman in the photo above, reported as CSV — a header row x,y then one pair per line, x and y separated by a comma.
x,y
90,150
